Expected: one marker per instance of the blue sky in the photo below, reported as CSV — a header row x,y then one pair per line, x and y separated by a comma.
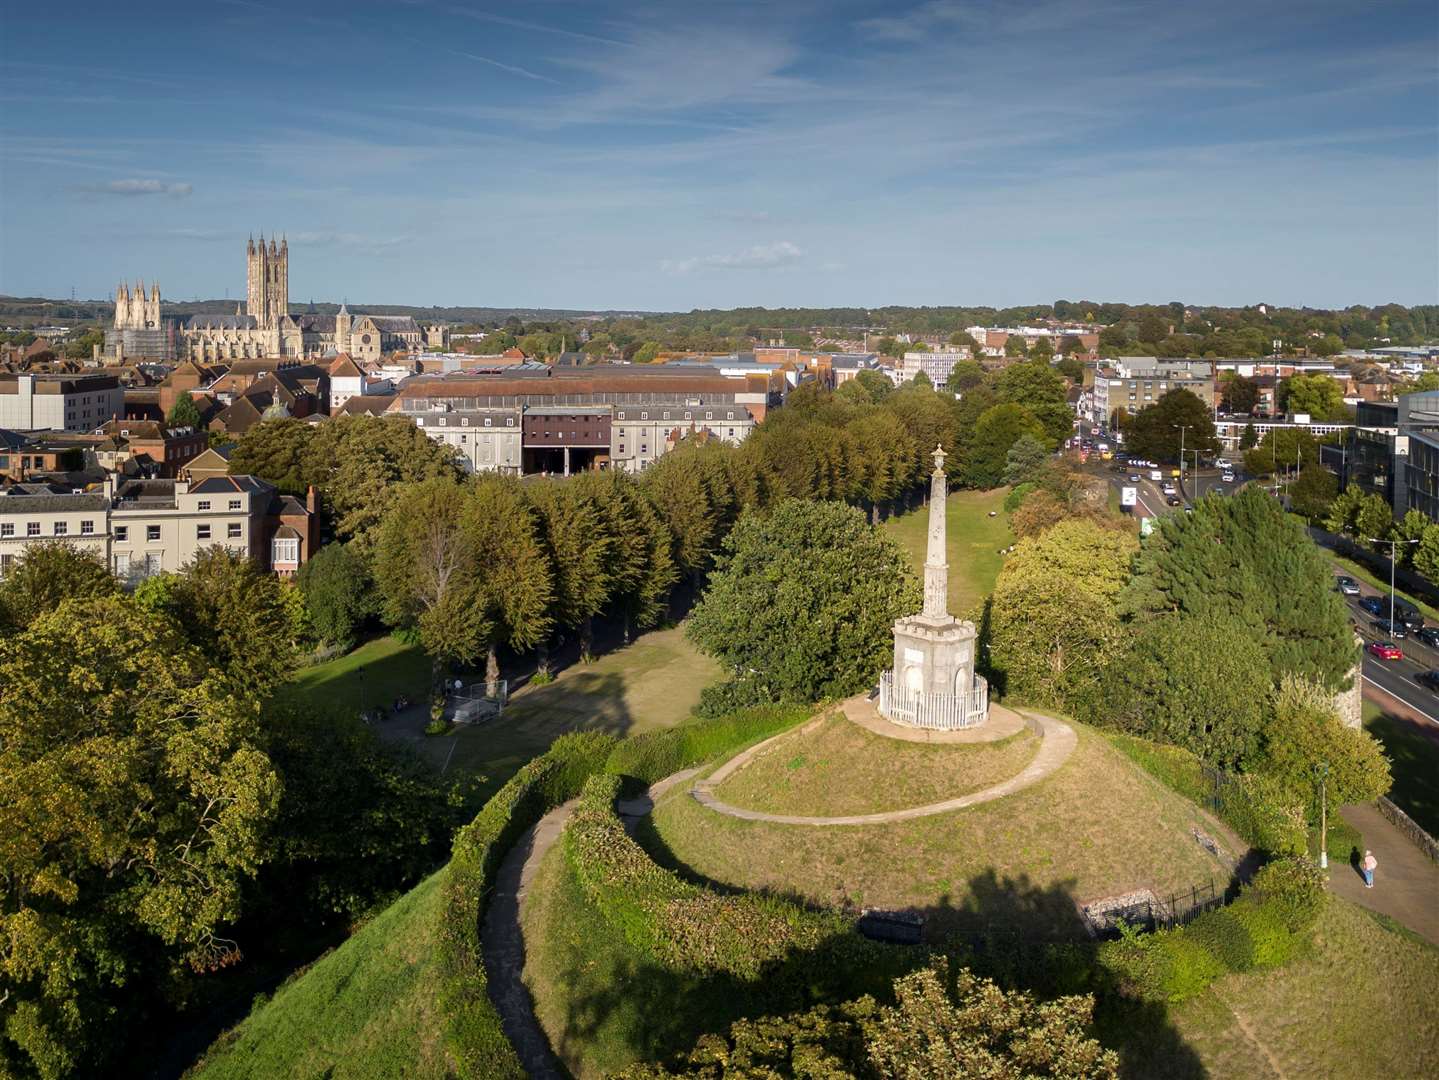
x,y
678,155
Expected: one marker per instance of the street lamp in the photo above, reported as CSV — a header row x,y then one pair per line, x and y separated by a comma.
x,y
1323,815
1393,560
1182,429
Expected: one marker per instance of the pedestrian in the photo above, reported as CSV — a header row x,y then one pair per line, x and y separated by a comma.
x,y
1366,866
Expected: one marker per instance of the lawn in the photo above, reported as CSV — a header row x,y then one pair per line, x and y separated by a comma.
x,y
837,767
1414,762
1096,828
1361,1005
366,1010
975,541
376,672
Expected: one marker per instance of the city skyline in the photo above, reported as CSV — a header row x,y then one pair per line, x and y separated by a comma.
x,y
614,156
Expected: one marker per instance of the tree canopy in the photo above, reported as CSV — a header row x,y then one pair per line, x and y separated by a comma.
x,y
1155,431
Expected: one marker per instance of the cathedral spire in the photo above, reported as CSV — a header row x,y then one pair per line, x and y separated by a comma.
x,y
936,563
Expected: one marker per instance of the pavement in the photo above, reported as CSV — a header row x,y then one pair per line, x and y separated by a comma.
x,y
1406,883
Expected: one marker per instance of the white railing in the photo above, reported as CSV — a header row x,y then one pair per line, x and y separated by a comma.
x,y
938,712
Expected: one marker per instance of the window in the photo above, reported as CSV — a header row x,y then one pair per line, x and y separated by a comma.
x,y
232,530
509,421
234,504
487,421
442,421
32,528
464,421
7,529
152,534
122,565
202,532
204,504
419,421
285,550
666,415
87,528
61,528
731,433
644,416
152,564
122,534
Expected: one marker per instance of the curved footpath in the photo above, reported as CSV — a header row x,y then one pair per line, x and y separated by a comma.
x,y
1058,743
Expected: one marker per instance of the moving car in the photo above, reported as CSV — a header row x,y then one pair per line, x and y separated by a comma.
x,y
1394,630
1228,477
1408,615
1172,500
1375,605
1429,636
1169,489
1134,478
1429,680
1347,585
1223,463
1385,650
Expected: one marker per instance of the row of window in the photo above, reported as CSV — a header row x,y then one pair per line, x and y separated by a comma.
x,y
204,504
234,530
61,528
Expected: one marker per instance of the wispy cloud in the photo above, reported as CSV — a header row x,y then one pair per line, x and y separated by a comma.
x,y
513,69
759,257
326,238
139,187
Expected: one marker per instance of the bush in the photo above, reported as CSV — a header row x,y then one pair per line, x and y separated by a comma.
x,y
1270,941
1294,889
1168,966
1226,936
722,698
477,1041
655,755
1017,494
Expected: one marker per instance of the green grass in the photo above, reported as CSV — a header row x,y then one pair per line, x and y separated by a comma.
x,y
1414,763
1361,1004
837,767
366,1010
975,540
376,672
1098,827
1361,573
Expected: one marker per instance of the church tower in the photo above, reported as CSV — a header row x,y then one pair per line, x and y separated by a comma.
x,y
342,329
267,281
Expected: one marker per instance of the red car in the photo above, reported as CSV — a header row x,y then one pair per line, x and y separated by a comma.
x,y
1386,650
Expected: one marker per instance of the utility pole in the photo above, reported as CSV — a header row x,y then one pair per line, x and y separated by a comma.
x,y
1182,429
1323,815
1393,561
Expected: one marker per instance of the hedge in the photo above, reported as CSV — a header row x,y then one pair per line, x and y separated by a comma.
x,y
1265,927
782,954
657,754
473,1031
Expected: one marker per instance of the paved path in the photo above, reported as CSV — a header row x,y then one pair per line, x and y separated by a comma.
x,y
1001,724
1406,884
1059,742
503,946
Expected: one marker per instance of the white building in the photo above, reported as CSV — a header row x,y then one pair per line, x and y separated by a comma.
x,y
935,365
348,379
59,402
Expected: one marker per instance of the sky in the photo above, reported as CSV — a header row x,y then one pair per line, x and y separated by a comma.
x,y
667,156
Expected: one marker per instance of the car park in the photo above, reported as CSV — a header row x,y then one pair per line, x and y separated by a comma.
x,y
1429,636
1347,585
1375,605
1429,680
1394,630
1385,650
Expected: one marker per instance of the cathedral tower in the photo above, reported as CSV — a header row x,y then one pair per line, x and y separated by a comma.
x,y
267,281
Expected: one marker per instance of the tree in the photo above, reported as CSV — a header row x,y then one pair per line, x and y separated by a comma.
x,y
1242,561
134,805
1328,345
83,347
44,576
1014,346
1409,531
1426,554
1041,390
1318,395
1025,458
427,573
995,432
1238,394
1281,451
1311,495
1155,431
1344,511
647,353
802,600
1153,330
515,580
1198,682
965,375
1304,732
336,586
1424,382
876,385
184,413
676,486
579,546
1248,438
963,339
275,451
1053,612
640,569
1043,351
884,461
1373,522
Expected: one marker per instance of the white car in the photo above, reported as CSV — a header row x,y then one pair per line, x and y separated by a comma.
x,y
1169,489
1223,463
1228,478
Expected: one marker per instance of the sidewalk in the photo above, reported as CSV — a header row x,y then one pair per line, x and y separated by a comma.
x,y
1406,885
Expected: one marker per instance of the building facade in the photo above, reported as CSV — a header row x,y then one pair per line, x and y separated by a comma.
x,y
59,402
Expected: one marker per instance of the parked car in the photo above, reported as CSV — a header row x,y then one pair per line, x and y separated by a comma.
x,y
1429,680
1375,605
1228,477
1385,650
1172,500
1347,585
1429,636
1395,629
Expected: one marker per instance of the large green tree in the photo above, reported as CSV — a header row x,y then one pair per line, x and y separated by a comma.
x,y
184,413
802,600
1311,495
336,584
1041,390
1318,395
1304,736
1178,419
580,549
1281,451
515,579
1242,560
47,574
995,432
275,451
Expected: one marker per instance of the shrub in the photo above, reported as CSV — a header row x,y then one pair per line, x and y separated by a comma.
x,y
1168,966
1017,494
1270,941
1294,888
1226,936
477,1041
657,754
722,698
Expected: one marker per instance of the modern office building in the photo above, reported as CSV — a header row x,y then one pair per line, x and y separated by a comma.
x,y
55,402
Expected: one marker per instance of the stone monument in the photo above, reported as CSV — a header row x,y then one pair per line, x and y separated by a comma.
x,y
932,683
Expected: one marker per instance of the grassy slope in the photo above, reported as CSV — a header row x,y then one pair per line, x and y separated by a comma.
x,y
1414,761
390,668
1361,1005
838,767
365,1010
1097,828
975,540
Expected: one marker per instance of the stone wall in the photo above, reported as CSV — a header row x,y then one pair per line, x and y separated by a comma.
x,y
1410,828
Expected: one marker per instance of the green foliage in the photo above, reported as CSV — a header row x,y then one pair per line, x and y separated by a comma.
x,y
1277,584
965,375
1017,495
275,451
184,413
336,586
476,1040
804,597
1154,432
1239,394
1168,966
1318,395
996,431
1025,459
652,756
1281,451
1305,733
1041,390
647,353
1248,438
1343,841
44,576
1312,494
1373,522
1294,888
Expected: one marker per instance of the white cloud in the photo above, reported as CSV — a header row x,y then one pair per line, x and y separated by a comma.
x,y
140,187
758,257
350,241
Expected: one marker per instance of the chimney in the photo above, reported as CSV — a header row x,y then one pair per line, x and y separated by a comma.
x,y
312,502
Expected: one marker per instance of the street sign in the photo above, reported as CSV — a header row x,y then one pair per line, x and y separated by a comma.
x,y
1146,526
1128,497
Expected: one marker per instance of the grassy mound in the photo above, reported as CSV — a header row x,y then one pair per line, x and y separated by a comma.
x,y
366,1010
1096,828
975,542
836,767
